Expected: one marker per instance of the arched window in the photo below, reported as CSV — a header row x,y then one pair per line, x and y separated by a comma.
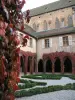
x,y
49,23
57,23
34,26
70,20
45,25
37,27
74,15
62,24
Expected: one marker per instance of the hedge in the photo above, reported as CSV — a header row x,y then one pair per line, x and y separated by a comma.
x,y
29,84
48,76
35,91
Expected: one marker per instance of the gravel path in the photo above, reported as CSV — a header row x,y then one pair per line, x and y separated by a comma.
x,y
62,81
58,95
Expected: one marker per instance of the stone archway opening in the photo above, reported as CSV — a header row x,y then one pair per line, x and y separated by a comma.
x,y
34,65
67,65
29,63
22,63
57,65
48,66
40,65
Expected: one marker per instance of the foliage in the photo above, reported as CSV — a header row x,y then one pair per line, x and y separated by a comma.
x,y
10,16
35,91
30,84
48,76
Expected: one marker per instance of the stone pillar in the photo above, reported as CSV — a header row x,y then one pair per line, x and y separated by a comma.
x,y
73,65
53,67
26,64
36,66
44,66
32,66
73,70
62,66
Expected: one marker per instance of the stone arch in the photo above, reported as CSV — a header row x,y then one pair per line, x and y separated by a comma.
x,y
67,65
38,27
57,64
40,65
48,65
70,20
45,25
57,23
62,22
34,26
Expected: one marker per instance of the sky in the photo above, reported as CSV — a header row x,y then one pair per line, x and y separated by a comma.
x,y
30,4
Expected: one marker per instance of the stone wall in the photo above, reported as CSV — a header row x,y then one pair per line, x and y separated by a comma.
x,y
51,19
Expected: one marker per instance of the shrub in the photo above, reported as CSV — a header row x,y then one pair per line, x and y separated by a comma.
x,y
48,76
35,91
30,84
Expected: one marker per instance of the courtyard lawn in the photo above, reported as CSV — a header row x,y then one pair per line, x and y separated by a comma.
x,y
49,83
48,76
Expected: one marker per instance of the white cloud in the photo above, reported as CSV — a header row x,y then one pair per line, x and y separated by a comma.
x,y
30,4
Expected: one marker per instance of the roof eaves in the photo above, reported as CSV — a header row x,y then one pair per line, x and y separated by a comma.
x,y
72,30
27,33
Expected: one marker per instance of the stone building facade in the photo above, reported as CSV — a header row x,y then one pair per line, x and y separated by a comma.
x,y
53,33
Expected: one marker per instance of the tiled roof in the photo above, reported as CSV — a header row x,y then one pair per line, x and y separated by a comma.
x,y
54,32
51,7
48,33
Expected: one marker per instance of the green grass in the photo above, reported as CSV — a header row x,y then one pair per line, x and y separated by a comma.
x,y
35,91
48,76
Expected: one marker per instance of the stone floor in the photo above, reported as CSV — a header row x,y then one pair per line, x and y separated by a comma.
x,y
58,95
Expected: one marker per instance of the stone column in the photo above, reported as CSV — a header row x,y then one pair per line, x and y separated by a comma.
x,y
36,66
32,65
62,66
73,70
73,65
44,66
53,67
26,64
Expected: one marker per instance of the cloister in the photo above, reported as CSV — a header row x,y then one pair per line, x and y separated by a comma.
x,y
58,62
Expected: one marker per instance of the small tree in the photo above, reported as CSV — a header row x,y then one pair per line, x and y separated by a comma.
x,y
10,16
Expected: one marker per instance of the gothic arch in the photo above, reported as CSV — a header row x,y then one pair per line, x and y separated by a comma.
x,y
62,22
40,65
70,20
57,65
67,64
48,65
62,57
45,25
34,26
57,23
